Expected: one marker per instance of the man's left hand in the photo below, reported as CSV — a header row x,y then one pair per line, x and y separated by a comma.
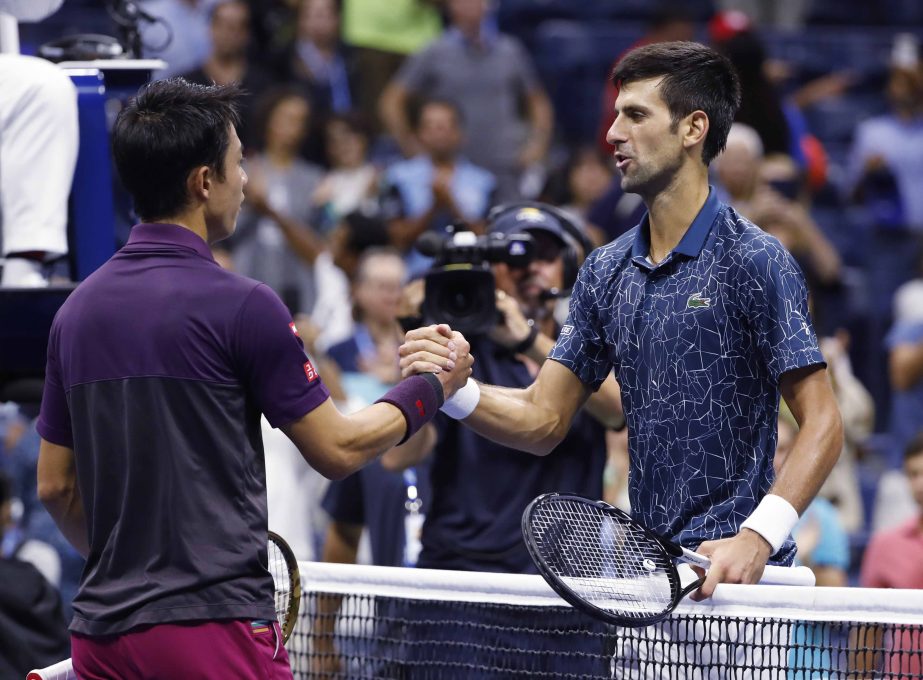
x,y
740,559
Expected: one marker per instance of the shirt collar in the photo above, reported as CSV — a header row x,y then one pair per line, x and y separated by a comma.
x,y
488,36
169,234
692,242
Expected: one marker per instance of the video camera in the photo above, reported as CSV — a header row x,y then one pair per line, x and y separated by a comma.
x,y
459,288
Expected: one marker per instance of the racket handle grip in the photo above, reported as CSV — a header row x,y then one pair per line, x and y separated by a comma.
x,y
63,670
787,576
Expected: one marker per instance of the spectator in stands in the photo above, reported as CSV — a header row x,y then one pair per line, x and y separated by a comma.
x,y
821,539
905,345
228,62
436,187
382,35
352,181
180,38
318,62
493,79
886,161
579,184
275,242
769,190
474,520
33,631
894,559
38,154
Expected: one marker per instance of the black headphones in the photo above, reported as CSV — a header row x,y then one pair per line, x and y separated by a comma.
x,y
577,244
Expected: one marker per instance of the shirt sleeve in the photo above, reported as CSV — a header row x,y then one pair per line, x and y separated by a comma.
x,y
580,346
777,309
54,421
274,366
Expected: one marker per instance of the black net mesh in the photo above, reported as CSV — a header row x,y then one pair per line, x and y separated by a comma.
x,y
364,636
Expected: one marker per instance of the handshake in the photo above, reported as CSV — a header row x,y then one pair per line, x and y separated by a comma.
x,y
440,350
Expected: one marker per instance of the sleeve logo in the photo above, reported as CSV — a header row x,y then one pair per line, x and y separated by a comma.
x,y
310,372
293,329
566,330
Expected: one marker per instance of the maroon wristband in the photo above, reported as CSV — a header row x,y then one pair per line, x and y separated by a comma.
x,y
418,398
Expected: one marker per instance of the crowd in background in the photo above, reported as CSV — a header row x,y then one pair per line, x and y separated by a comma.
x,y
369,123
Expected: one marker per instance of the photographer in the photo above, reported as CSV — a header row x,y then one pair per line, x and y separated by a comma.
x,y
480,488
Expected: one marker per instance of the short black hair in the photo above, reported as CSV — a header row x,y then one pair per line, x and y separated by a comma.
x,y
694,78
170,128
914,447
417,117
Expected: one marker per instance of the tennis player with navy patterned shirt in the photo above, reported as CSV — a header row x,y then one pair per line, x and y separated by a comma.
x,y
703,318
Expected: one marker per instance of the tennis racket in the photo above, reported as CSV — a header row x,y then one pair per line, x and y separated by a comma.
x,y
284,569
604,563
282,566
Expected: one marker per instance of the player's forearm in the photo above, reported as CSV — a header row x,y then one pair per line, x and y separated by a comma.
x,y
815,452
515,418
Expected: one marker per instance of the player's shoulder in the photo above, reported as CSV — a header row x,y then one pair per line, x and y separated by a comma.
x,y
608,260
745,243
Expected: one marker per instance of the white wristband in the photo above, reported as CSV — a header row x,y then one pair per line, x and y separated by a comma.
x,y
463,402
773,519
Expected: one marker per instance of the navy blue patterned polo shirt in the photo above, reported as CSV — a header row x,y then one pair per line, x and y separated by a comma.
x,y
698,343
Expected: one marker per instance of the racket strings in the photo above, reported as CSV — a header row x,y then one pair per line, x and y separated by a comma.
x,y
282,578
605,561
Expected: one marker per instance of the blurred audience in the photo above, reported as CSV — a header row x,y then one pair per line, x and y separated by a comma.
x,y
229,59
821,539
491,76
436,187
382,35
894,557
275,242
352,182
33,630
886,160
318,62
180,37
579,184
905,345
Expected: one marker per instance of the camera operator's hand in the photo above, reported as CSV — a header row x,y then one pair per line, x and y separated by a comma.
x,y
440,350
514,327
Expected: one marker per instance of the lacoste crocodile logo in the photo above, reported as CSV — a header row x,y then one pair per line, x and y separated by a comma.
x,y
696,301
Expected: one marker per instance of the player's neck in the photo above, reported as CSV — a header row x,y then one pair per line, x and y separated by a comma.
x,y
672,210
193,221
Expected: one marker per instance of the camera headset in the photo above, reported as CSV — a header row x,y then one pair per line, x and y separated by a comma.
x,y
577,244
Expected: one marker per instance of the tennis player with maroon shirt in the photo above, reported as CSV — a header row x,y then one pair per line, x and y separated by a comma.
x,y
159,366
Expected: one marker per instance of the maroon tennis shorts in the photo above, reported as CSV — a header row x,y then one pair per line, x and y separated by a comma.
x,y
214,650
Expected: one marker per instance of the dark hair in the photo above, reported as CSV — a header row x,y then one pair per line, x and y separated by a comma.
x,y
170,128
268,103
354,120
437,101
914,447
365,231
694,78
6,491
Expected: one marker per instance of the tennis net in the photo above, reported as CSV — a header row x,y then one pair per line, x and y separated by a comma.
x,y
379,622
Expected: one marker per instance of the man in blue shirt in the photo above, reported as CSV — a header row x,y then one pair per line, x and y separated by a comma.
x,y
702,317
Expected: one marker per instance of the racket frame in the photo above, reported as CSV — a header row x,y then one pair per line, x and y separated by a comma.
x,y
287,624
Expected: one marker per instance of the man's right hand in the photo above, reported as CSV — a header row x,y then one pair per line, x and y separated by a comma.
x,y
440,350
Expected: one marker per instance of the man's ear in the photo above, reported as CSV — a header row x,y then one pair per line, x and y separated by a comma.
x,y
694,129
198,183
